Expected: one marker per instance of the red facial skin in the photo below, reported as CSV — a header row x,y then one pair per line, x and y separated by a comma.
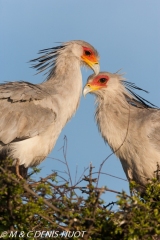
x,y
89,54
100,81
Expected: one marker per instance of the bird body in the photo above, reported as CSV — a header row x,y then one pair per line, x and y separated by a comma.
x,y
129,125
33,115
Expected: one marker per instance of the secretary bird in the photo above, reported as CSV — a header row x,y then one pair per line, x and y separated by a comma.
x,y
128,123
33,115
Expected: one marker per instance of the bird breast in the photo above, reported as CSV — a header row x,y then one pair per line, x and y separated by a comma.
x,y
32,151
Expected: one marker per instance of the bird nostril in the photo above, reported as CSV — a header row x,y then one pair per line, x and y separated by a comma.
x,y
88,85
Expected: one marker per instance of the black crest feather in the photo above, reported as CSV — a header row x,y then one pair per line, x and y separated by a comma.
x,y
47,60
137,101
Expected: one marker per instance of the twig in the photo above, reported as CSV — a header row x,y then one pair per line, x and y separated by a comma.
x,y
49,220
112,203
57,160
65,157
29,190
112,176
76,174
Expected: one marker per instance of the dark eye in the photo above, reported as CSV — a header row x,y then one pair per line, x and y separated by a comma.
x,y
102,80
88,53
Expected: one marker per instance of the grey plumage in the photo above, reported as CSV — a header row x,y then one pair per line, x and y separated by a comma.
x,y
128,123
33,115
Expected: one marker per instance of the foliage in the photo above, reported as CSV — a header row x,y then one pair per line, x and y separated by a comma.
x,y
75,211
46,205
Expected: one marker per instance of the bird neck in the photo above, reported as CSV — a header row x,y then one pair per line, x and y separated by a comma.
x,y
66,68
65,86
113,117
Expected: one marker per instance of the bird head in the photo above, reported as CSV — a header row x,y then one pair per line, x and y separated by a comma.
x,y
87,54
91,58
102,82
113,84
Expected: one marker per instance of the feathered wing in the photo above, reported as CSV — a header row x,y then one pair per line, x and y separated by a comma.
x,y
21,91
154,134
152,112
20,117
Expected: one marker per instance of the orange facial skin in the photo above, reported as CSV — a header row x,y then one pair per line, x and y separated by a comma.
x,y
96,83
89,56
100,81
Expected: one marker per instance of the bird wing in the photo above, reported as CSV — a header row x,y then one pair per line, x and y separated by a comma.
x,y
154,126
22,91
20,117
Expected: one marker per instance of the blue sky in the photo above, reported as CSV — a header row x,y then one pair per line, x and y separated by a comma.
x,y
127,36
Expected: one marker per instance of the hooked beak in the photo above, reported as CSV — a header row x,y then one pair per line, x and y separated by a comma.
x,y
94,64
96,68
89,88
86,90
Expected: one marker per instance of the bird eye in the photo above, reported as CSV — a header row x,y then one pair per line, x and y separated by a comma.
x,y
87,53
102,80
